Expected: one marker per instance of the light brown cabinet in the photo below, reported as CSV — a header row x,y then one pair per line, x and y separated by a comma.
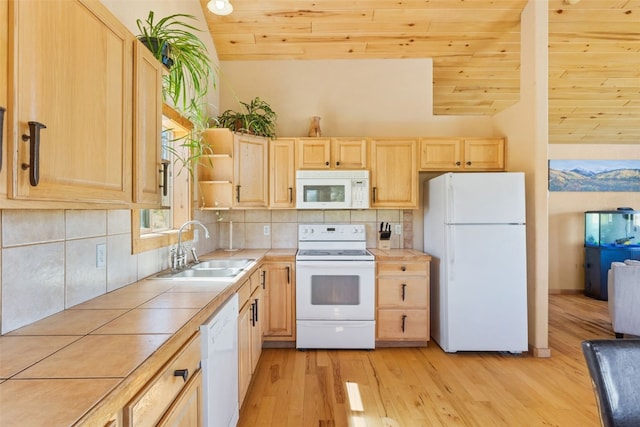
x,y
236,174
4,119
282,173
75,92
250,331
470,154
251,171
394,173
148,172
186,411
331,153
170,397
403,301
279,295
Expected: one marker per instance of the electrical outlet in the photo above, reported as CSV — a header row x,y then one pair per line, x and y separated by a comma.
x,y
101,255
398,228
267,230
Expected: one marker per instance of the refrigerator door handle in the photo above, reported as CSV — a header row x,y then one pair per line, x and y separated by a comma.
x,y
452,250
450,206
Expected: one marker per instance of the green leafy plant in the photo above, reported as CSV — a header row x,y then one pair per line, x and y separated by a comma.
x,y
257,118
188,150
174,42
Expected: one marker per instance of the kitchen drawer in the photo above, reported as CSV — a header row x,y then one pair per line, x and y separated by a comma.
x,y
390,325
244,293
392,289
255,280
402,268
158,395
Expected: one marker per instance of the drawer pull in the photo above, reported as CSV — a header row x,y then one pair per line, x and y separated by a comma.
x,y
184,373
404,290
404,317
403,268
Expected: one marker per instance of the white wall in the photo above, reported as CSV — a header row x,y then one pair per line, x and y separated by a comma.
x,y
526,124
566,213
390,97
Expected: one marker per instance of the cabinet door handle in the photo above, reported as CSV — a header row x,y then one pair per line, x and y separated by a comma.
x,y
326,163
404,290
458,163
338,163
165,177
288,274
238,193
263,279
404,318
469,163
375,190
290,194
34,152
255,312
184,373
2,110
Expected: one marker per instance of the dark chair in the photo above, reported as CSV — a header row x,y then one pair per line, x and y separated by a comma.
x,y
614,366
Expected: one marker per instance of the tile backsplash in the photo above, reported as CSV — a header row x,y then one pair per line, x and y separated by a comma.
x,y
49,256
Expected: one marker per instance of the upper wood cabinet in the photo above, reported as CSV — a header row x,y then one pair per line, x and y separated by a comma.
x,y
394,173
71,71
236,174
251,171
450,154
331,153
149,181
4,119
282,173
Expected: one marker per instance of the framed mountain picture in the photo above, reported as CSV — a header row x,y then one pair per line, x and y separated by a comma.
x,y
594,175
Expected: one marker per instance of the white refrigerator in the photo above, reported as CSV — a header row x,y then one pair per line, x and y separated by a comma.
x,y
474,228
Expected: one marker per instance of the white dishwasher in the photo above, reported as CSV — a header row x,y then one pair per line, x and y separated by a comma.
x,y
219,338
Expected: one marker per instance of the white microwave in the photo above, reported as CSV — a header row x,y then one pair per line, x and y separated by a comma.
x,y
332,189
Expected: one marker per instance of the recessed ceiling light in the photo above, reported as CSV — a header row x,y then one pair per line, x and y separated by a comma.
x,y
220,7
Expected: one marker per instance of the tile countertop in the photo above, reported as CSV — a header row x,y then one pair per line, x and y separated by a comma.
x,y
82,365
399,255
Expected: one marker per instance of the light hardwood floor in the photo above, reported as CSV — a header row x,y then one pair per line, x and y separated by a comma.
x,y
427,387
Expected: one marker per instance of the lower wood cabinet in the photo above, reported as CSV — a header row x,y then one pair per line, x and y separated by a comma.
x,y
187,409
279,295
402,313
250,331
171,399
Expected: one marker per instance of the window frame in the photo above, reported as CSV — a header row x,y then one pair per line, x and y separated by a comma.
x,y
181,200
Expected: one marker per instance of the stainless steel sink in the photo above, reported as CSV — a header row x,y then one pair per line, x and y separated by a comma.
x,y
217,264
217,270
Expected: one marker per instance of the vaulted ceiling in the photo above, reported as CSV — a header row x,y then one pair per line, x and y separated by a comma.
x,y
594,52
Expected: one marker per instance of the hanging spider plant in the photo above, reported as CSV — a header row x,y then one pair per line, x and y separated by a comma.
x,y
174,42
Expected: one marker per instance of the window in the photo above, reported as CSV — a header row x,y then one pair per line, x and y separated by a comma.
x,y
155,228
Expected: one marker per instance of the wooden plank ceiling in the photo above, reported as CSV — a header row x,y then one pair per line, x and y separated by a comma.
x,y
594,52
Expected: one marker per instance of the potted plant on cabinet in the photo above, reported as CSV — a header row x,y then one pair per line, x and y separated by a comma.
x,y
174,42
258,118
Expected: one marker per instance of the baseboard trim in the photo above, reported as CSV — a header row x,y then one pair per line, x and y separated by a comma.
x,y
566,291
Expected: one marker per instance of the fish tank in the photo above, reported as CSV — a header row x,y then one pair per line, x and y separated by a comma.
x,y
613,229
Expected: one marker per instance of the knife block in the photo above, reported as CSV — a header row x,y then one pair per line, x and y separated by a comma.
x,y
384,240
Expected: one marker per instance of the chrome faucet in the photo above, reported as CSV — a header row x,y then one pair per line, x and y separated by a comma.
x,y
179,253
